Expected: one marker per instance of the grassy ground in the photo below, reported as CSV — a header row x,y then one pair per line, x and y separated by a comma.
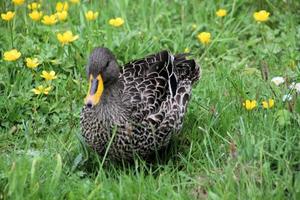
x,y
223,152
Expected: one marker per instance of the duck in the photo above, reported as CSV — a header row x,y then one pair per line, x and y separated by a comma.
x,y
134,110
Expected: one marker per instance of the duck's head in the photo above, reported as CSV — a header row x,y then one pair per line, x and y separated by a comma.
x,y
102,72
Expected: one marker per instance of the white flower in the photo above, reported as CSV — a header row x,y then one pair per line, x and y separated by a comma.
x,y
292,86
287,97
295,86
277,80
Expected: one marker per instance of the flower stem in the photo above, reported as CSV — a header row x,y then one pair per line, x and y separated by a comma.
x,y
11,35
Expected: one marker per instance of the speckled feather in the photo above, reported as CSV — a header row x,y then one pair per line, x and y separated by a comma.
x,y
146,106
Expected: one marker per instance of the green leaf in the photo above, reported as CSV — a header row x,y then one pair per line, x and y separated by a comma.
x,y
57,172
283,117
251,71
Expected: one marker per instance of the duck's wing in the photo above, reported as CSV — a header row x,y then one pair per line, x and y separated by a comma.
x,y
168,119
160,84
138,70
148,82
158,88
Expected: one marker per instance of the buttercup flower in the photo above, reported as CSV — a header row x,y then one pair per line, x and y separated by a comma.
x,y
18,2
278,80
36,15
60,6
268,104
66,37
117,22
221,13
90,15
187,50
261,16
11,55
34,6
49,19
75,1
32,63
48,76
250,104
41,90
8,16
204,37
62,15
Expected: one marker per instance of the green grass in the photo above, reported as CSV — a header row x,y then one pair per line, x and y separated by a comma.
x,y
223,151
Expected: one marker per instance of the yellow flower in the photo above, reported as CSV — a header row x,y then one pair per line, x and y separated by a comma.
x,y
8,16
90,15
60,6
250,104
49,19
66,37
187,50
268,104
62,15
261,16
74,1
18,2
204,37
221,13
41,90
117,22
48,76
34,6
36,15
32,63
11,55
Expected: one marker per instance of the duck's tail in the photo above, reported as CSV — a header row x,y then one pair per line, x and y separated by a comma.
x,y
186,69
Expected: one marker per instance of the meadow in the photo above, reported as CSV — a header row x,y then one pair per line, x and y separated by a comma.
x,y
241,136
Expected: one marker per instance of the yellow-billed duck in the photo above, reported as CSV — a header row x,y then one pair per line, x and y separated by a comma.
x,y
142,105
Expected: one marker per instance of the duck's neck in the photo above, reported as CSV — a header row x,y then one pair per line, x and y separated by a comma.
x,y
111,107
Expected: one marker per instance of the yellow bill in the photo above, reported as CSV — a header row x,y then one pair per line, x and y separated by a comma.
x,y
95,91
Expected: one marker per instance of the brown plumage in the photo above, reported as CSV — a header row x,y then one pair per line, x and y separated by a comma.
x,y
144,103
